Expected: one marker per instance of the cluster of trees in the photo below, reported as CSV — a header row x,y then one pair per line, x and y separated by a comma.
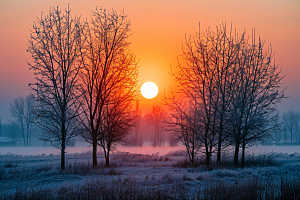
x,y
87,83
228,86
85,79
9,130
156,119
151,127
290,129
22,110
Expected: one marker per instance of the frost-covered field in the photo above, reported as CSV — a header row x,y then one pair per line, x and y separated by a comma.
x,y
148,176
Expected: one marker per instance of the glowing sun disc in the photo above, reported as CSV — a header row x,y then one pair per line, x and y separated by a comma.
x,y
149,90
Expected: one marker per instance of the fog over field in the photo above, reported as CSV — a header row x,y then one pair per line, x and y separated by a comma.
x,y
163,150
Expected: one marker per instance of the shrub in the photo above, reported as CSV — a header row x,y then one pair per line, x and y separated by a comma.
x,y
169,178
10,165
185,163
261,161
178,153
186,177
113,171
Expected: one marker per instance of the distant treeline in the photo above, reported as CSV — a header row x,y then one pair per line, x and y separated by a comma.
x,y
12,130
290,128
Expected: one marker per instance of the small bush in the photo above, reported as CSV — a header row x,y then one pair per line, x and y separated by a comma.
x,y
201,177
44,168
261,161
167,158
186,177
10,165
187,163
226,173
182,164
113,164
79,168
177,153
169,178
113,172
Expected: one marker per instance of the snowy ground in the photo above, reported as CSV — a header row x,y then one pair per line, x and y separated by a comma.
x,y
148,169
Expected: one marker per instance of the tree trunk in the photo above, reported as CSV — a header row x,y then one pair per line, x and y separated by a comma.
x,y
107,159
236,153
193,157
62,162
193,160
29,137
23,134
63,141
220,140
243,153
208,160
94,153
210,153
27,142
219,147
207,156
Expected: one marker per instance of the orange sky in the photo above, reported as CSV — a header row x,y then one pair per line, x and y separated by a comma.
x,y
159,28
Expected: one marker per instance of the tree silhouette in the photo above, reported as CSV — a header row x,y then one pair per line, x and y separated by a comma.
x,y
182,121
156,118
232,89
17,111
23,111
29,116
109,80
55,46
256,93
291,123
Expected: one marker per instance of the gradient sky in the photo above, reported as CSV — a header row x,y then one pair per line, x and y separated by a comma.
x,y
159,28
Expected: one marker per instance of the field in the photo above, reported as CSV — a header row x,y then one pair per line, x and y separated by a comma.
x,y
149,176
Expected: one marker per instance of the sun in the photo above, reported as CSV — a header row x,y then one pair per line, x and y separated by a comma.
x,y
149,90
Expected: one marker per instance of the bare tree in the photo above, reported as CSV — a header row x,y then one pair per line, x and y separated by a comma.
x,y
223,47
205,79
172,139
182,120
119,121
138,140
278,132
29,116
18,113
13,131
23,111
256,92
109,80
291,124
233,88
284,134
156,118
55,46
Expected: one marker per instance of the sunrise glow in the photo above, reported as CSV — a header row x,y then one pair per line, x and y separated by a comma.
x,y
127,99
149,90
